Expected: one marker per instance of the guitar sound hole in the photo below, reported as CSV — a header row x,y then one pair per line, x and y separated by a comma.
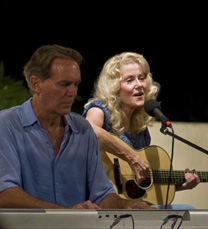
x,y
133,191
146,183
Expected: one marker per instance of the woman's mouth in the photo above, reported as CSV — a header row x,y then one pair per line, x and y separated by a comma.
x,y
138,94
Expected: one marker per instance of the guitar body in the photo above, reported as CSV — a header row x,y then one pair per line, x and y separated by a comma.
x,y
151,192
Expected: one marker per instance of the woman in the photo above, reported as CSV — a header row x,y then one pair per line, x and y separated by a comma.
x,y
117,107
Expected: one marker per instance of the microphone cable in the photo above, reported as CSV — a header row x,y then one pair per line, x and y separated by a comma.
x,y
170,169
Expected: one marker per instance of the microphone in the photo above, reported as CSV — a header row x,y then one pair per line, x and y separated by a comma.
x,y
153,108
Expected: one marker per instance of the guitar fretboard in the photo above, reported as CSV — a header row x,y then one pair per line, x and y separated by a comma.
x,y
163,176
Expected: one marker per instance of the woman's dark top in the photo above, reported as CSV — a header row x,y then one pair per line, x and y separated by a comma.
x,y
139,141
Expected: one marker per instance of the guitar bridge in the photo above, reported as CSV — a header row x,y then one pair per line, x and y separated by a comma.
x,y
117,176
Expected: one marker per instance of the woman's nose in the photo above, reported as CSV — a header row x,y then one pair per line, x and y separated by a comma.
x,y
138,83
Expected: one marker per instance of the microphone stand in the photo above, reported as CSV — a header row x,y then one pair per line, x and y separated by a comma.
x,y
165,131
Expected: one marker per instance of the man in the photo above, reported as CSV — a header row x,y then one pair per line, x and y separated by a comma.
x,y
49,156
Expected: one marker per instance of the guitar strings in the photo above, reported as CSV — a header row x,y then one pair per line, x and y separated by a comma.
x,y
163,175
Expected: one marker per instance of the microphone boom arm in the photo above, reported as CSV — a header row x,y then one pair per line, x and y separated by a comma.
x,y
165,131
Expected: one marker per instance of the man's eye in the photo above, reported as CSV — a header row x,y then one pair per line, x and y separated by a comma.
x,y
63,84
77,84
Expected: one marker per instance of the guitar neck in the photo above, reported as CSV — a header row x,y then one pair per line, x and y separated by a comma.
x,y
177,177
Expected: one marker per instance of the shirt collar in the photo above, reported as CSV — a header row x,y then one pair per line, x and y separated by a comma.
x,y
28,116
70,122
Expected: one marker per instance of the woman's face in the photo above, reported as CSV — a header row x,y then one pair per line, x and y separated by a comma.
x,y
133,86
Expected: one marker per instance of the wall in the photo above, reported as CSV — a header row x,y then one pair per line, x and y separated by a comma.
x,y
186,157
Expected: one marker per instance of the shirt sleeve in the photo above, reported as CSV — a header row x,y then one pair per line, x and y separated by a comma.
x,y
10,169
97,103
99,183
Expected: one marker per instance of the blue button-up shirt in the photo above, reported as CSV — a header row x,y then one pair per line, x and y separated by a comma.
x,y
27,159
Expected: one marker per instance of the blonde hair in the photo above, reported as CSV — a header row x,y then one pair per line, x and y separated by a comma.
x,y
107,87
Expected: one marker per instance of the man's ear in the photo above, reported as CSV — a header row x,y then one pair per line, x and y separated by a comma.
x,y
35,83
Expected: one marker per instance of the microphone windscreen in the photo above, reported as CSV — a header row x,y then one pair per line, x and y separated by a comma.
x,y
150,105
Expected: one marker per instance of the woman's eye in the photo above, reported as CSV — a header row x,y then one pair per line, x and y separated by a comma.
x,y
142,78
129,80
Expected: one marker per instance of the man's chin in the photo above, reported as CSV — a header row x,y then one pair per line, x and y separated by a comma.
x,y
67,110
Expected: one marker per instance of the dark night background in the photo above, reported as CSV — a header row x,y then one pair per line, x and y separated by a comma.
x,y
171,35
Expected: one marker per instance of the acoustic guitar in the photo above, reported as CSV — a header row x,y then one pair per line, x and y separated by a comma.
x,y
154,188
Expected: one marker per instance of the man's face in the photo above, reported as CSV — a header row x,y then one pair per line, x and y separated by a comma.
x,y
57,93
